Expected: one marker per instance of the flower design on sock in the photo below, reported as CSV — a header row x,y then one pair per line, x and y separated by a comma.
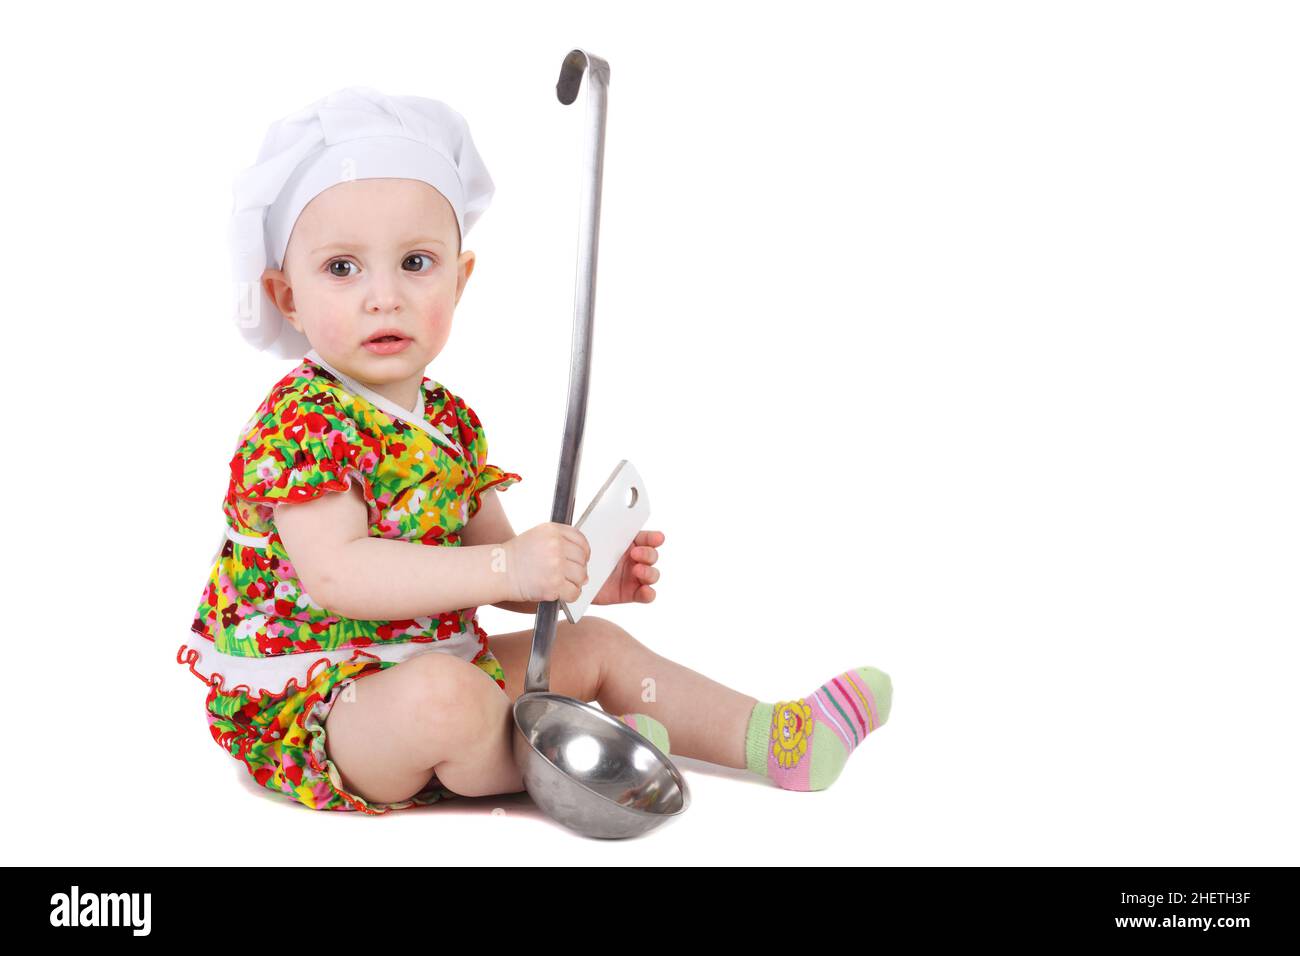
x,y
791,728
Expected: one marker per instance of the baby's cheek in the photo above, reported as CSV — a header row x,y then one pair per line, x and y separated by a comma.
x,y
437,324
439,315
335,332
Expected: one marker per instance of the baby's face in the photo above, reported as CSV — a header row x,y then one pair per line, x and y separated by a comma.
x,y
367,255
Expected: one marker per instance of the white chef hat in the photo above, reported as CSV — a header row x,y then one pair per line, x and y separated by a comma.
x,y
354,133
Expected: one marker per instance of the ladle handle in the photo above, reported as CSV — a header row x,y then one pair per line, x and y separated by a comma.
x,y
571,71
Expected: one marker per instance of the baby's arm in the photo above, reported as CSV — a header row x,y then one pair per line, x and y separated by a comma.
x,y
491,526
381,579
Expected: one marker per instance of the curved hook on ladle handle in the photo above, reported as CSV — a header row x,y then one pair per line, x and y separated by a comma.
x,y
576,63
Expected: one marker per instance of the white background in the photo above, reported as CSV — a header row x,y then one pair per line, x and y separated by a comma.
x,y
955,339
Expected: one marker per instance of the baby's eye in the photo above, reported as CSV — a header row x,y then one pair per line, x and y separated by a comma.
x,y
420,255
338,262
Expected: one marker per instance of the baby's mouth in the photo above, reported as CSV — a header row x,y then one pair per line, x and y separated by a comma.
x,y
386,342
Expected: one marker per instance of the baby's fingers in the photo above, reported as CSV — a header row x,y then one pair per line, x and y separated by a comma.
x,y
580,539
576,573
576,552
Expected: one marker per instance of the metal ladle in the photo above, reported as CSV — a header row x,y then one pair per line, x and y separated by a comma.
x,y
584,767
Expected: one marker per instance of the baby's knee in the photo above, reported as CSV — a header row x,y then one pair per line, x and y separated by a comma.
x,y
454,696
601,635
595,628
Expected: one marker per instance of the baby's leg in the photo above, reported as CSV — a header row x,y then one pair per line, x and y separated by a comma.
x,y
800,743
433,713
596,659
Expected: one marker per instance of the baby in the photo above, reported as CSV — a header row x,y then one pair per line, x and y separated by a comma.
x,y
364,525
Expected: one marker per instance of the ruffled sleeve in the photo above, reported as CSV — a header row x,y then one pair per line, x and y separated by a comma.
x,y
485,475
298,447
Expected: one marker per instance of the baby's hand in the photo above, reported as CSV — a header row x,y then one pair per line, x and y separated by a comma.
x,y
631,578
547,563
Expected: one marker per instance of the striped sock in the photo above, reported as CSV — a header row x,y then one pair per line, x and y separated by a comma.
x,y
649,728
804,744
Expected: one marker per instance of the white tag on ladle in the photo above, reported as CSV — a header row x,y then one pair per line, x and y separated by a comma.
x,y
610,524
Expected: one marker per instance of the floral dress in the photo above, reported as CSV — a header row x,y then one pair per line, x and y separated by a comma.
x,y
274,660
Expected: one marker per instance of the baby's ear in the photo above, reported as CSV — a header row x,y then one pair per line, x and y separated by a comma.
x,y
279,292
466,268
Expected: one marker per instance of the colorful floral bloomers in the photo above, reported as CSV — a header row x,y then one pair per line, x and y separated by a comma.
x,y
421,472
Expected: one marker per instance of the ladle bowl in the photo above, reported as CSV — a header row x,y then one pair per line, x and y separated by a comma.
x,y
592,772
